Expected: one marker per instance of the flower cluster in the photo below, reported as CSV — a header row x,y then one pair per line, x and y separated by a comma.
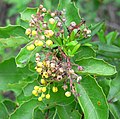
x,y
45,28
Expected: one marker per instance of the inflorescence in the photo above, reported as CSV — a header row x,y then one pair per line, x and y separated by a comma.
x,y
56,66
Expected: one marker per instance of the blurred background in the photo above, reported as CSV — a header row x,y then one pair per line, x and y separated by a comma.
x,y
92,11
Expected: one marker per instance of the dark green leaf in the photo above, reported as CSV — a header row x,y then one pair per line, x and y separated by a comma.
x,y
115,109
114,92
3,111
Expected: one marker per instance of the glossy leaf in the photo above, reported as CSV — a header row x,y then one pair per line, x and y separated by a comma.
x,y
92,99
95,66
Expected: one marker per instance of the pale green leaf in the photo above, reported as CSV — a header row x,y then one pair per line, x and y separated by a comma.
x,y
95,66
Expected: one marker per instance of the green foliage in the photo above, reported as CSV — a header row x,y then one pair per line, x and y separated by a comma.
x,y
92,99
95,87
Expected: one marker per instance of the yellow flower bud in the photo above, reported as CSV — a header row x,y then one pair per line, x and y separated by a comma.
x,y
36,88
28,31
42,37
55,89
48,33
43,95
34,33
30,47
49,43
43,81
39,70
48,96
44,89
52,14
39,64
40,90
51,21
34,92
40,99
38,43
45,74
67,94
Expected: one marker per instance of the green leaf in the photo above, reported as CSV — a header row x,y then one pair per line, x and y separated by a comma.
x,y
97,27
84,51
10,47
29,87
68,112
95,66
75,49
24,56
114,92
3,111
26,14
105,84
25,111
111,37
115,109
10,74
70,16
12,31
92,99
56,100
10,105
108,50
38,114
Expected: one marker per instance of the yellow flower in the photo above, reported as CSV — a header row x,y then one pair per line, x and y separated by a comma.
x,y
51,21
48,96
34,33
43,81
48,33
39,70
39,64
30,47
44,89
28,31
40,90
44,63
45,74
43,95
34,92
55,89
49,43
40,99
38,43
67,94
36,88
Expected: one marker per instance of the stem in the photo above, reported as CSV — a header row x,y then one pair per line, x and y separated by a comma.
x,y
47,114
